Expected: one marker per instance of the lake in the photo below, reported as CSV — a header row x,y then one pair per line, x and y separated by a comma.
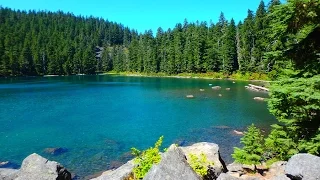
x,y
97,119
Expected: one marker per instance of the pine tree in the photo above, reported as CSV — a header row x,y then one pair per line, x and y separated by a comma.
x,y
253,149
89,61
248,43
260,34
221,28
230,48
239,46
211,52
178,41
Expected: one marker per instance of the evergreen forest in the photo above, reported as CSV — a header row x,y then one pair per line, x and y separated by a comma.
x,y
58,43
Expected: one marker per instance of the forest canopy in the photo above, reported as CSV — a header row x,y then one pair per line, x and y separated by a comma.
x,y
41,42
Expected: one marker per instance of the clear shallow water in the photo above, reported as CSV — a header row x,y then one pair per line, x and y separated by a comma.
x,y
99,118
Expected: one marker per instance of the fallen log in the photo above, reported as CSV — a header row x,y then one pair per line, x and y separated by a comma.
x,y
257,88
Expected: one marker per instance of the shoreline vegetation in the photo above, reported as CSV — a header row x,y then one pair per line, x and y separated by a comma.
x,y
253,77
259,77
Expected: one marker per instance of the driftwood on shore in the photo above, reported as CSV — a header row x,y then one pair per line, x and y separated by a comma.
x,y
257,88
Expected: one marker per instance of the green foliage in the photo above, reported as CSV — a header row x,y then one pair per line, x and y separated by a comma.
x,y
200,164
312,146
145,159
61,43
295,103
42,42
279,145
253,149
294,98
294,35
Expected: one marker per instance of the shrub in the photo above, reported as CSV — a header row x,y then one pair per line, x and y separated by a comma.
x,y
145,159
200,164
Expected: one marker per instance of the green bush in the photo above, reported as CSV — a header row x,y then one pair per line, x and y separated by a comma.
x,y
200,164
145,159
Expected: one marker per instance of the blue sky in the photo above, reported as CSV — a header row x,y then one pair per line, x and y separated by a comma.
x,y
143,15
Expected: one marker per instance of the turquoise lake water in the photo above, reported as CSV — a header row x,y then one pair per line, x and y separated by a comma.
x,y
99,118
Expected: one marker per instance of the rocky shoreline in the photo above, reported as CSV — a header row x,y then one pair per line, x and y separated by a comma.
x,y
175,164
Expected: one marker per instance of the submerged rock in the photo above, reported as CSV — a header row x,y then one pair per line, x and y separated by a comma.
x,y
222,127
55,151
304,167
2,164
216,87
190,96
228,89
173,165
181,142
8,164
201,90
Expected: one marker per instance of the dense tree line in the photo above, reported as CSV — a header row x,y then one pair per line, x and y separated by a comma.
x,y
38,43
198,47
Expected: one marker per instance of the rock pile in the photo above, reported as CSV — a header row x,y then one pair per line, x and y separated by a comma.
x,y
175,164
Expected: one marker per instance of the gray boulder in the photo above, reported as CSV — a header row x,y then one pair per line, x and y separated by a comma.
x,y
211,151
303,166
224,176
7,174
173,165
235,169
280,177
37,167
277,168
120,173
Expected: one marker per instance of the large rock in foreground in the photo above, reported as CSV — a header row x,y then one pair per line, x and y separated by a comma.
x,y
173,165
8,174
36,167
211,151
121,173
224,176
303,166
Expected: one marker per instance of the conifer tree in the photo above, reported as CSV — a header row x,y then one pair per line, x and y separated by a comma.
x,y
230,48
248,43
252,151
295,97
260,35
